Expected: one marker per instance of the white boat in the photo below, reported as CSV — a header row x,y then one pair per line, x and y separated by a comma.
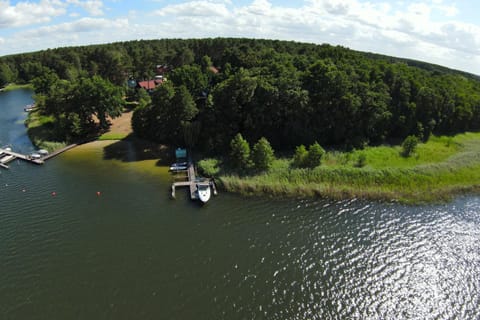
x,y
35,156
29,107
179,166
203,191
43,152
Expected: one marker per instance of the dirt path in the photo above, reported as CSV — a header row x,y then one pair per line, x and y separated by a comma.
x,y
122,124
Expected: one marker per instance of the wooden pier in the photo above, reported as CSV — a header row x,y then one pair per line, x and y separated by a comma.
x,y
192,182
7,156
56,153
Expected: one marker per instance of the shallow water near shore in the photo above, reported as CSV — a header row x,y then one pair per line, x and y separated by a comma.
x,y
94,234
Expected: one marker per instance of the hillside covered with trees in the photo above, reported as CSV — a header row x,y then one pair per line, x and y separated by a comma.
x,y
290,93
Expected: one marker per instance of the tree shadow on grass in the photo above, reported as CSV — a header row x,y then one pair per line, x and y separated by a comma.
x,y
43,134
132,149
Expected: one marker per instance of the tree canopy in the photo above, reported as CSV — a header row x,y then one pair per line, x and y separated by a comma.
x,y
81,107
290,93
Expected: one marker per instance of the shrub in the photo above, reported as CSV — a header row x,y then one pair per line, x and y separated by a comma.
x,y
361,160
300,157
409,145
262,155
239,152
209,167
315,154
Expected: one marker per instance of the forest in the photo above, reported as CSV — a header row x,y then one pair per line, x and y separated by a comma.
x,y
288,92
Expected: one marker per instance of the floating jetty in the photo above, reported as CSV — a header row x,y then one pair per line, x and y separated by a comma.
x,y
193,182
7,155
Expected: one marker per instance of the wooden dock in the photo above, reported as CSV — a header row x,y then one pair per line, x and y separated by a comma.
x,y
7,156
56,153
192,182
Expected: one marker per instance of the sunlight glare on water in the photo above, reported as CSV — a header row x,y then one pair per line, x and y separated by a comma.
x,y
131,252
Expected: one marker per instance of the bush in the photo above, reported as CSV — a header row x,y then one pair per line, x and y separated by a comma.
x,y
209,167
361,160
315,154
300,157
409,146
263,155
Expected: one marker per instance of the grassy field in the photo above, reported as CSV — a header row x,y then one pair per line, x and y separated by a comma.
x,y
13,86
40,132
440,168
113,136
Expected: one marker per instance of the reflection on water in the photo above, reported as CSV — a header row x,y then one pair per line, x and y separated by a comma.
x,y
130,252
12,117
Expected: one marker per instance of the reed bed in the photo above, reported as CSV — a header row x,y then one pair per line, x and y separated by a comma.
x,y
441,168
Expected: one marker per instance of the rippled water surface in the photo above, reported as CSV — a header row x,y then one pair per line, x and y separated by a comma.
x,y
89,236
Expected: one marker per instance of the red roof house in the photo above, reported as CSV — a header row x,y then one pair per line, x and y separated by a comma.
x,y
150,85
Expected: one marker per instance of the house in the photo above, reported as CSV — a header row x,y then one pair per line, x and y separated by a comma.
x,y
150,85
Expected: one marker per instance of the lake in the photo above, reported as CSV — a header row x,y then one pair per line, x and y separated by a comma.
x,y
89,235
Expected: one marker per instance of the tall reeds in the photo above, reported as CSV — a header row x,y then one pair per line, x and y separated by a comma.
x,y
443,167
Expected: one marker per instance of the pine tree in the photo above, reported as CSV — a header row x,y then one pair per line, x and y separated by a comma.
x,y
263,155
239,152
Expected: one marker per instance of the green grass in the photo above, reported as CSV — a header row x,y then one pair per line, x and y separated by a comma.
x,y
436,150
113,136
40,131
440,168
13,86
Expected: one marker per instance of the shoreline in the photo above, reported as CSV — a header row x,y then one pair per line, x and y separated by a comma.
x,y
428,178
429,181
13,86
437,184
251,188
431,187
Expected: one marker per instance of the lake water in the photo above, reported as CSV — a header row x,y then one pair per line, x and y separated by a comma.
x,y
89,235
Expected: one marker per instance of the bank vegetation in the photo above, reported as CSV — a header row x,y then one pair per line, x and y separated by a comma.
x,y
437,170
276,94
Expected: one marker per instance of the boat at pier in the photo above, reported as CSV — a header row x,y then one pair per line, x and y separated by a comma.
x,y
203,191
29,107
179,166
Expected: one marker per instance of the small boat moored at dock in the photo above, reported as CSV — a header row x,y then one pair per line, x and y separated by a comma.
x,y
200,188
203,191
29,107
179,166
37,157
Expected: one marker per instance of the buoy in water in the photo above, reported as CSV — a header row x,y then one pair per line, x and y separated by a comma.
x,y
54,194
99,193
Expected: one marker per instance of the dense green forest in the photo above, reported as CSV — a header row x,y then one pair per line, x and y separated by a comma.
x,y
291,93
